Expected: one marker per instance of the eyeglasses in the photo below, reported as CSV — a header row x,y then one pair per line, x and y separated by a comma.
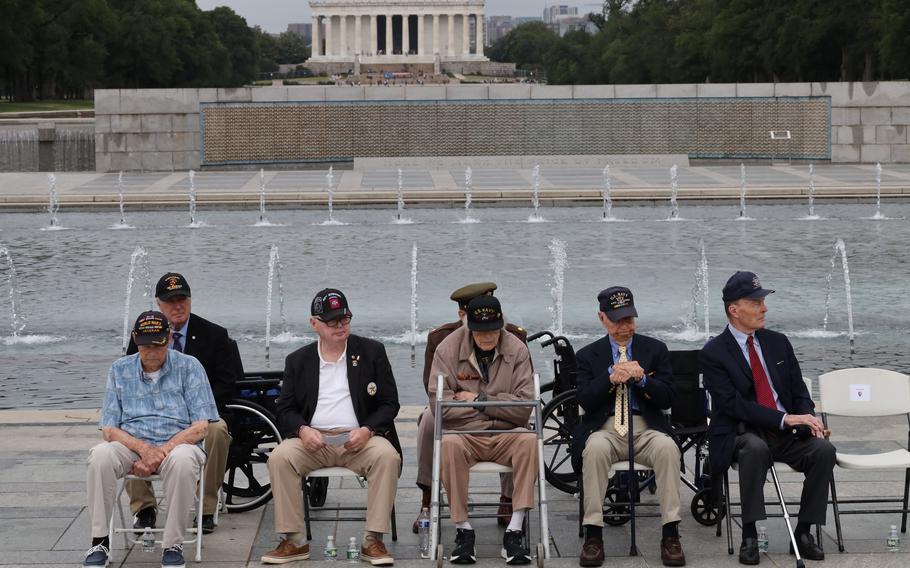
x,y
340,322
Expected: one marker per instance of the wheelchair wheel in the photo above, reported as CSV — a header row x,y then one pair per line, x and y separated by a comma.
x,y
704,510
616,515
318,490
560,416
255,434
541,555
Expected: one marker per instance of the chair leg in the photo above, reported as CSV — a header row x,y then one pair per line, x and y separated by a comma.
x,y
394,526
200,498
306,509
581,509
727,506
840,536
906,495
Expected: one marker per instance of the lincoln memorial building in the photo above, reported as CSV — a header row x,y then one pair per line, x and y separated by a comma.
x,y
363,36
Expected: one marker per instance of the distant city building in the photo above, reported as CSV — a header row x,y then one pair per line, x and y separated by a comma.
x,y
499,26
305,31
553,11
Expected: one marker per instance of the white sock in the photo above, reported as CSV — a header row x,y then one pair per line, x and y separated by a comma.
x,y
295,537
464,525
518,520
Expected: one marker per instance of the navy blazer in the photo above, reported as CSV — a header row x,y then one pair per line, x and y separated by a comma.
x,y
728,377
370,379
596,395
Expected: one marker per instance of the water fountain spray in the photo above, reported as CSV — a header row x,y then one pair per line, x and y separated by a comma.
x,y
330,189
812,214
399,219
700,298
139,268
674,192
120,197
608,199
535,197
193,222
414,307
840,249
53,204
262,219
558,262
275,267
17,321
742,192
878,192
468,187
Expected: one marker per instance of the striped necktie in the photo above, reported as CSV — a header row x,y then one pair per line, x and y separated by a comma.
x,y
177,345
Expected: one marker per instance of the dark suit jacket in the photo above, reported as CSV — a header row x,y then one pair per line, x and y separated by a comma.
x,y
300,388
597,396
728,377
210,344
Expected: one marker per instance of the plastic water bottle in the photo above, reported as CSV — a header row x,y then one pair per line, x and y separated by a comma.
x,y
148,541
762,539
894,540
423,532
353,551
330,553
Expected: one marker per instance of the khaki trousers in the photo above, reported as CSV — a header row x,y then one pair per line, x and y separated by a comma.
x,y
217,445
460,452
110,461
652,448
425,429
378,462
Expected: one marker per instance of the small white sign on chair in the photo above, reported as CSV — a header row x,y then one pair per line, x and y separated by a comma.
x,y
860,393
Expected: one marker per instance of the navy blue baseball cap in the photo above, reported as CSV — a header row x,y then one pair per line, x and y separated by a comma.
x,y
744,284
617,303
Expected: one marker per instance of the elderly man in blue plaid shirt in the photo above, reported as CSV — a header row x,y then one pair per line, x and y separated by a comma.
x,y
157,406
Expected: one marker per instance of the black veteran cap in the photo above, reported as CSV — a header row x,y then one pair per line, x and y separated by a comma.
x,y
170,285
329,304
744,284
484,314
151,328
467,293
617,303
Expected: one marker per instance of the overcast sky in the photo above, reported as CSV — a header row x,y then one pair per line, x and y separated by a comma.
x,y
275,15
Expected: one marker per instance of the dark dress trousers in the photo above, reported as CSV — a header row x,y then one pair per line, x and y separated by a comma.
x,y
750,433
597,396
372,384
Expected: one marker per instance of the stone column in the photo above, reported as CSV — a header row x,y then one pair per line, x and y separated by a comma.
x,y
343,44
374,35
421,40
358,34
451,47
329,50
465,35
389,39
435,34
481,37
405,34
317,36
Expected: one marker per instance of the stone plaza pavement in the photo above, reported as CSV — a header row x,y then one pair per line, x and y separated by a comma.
x,y
43,520
445,187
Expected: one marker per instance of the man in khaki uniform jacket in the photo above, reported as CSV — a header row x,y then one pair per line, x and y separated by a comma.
x,y
481,362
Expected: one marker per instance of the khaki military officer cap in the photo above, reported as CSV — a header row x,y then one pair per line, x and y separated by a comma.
x,y
467,293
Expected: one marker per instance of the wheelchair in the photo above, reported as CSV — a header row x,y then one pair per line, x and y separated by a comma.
x,y
254,429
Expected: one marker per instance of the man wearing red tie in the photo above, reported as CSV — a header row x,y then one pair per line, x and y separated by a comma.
x,y
762,412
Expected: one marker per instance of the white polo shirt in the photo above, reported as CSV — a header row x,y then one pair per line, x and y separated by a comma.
x,y
334,409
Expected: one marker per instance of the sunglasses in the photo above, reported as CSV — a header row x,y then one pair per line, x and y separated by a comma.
x,y
339,322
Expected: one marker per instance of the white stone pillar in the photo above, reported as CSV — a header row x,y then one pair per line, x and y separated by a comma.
x,y
421,41
481,36
374,35
358,34
405,34
317,37
389,40
435,34
329,50
465,35
343,44
450,49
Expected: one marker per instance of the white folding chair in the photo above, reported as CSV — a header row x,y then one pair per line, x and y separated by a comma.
x,y
868,393
133,536
336,472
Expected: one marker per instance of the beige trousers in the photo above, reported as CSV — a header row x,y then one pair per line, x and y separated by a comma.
x,y
217,445
425,439
652,448
460,452
378,462
110,461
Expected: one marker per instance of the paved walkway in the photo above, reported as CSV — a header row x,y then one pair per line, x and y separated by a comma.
x,y
446,187
43,520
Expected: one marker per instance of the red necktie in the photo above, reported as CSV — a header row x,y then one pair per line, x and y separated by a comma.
x,y
763,393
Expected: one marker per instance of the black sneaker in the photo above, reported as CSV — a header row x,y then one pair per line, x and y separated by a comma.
x,y
464,547
208,524
513,548
145,519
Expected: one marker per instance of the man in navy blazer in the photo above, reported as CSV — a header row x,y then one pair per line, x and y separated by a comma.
x,y
622,364
762,412
337,407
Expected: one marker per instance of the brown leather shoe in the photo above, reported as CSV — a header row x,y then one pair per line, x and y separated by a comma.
x,y
286,552
504,513
592,553
374,551
671,552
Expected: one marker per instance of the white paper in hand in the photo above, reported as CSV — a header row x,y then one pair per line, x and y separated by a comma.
x,y
337,439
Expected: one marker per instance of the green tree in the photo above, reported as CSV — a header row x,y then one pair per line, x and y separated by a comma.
x,y
292,48
894,44
525,46
267,47
240,42
567,61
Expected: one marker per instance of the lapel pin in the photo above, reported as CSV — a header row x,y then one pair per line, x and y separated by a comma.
x,y
355,359
371,389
